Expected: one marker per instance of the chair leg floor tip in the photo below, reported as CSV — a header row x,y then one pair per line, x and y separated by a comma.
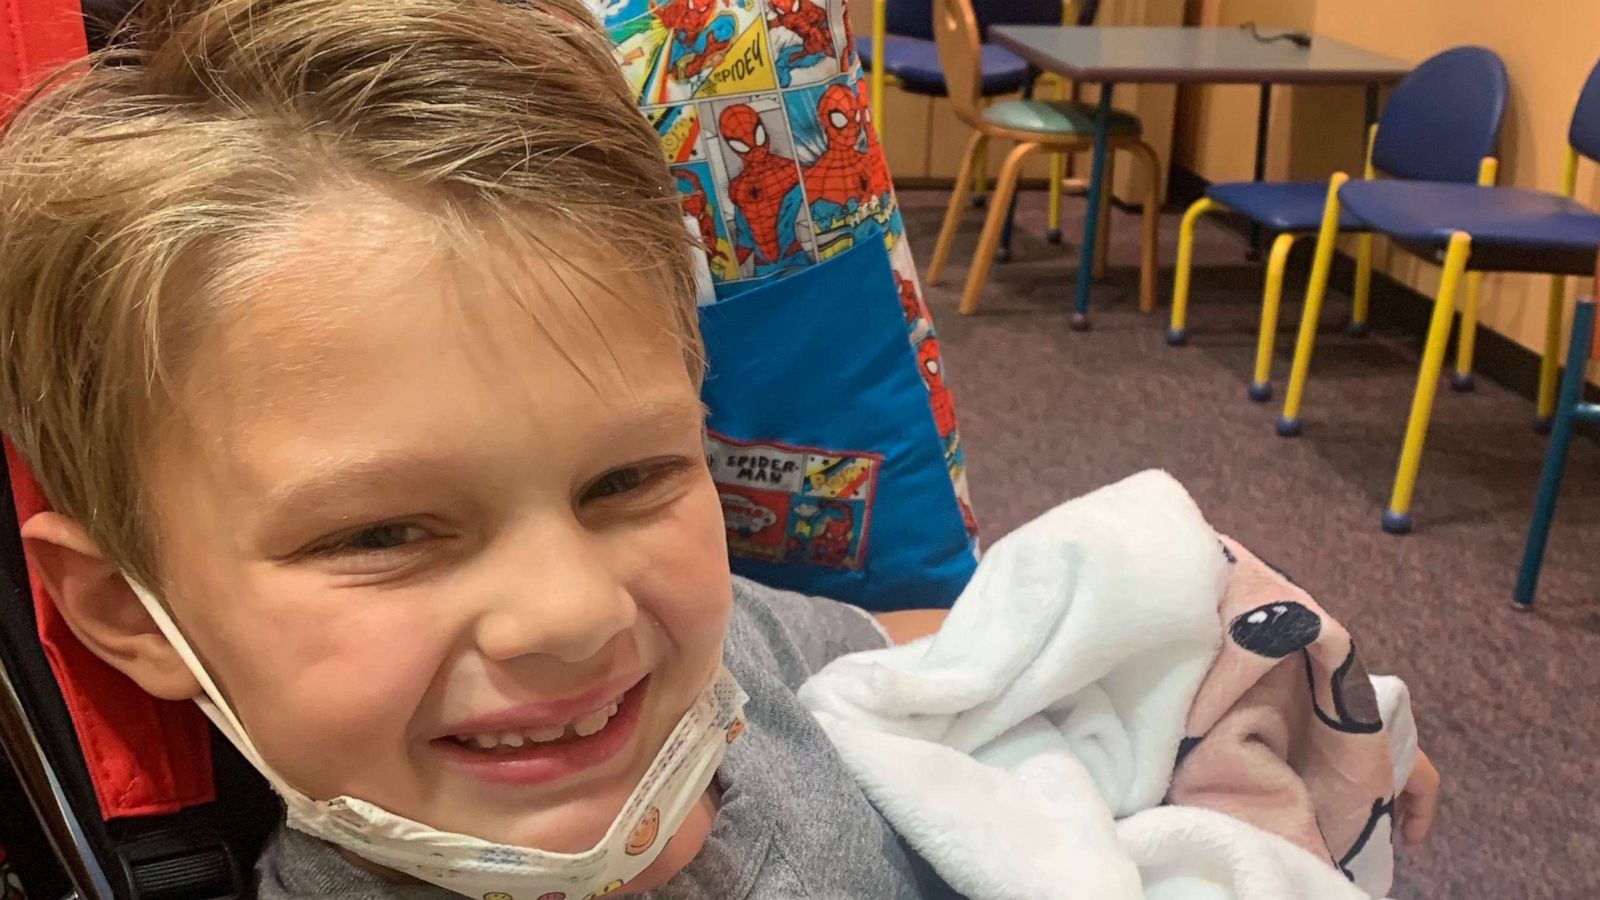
x,y
1396,523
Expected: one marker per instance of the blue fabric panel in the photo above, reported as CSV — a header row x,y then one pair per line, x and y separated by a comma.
x,y
831,470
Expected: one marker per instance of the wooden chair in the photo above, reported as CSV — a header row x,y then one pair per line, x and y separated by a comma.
x,y
900,51
1055,126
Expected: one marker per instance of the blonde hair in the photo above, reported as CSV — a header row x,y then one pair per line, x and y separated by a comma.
x,y
130,173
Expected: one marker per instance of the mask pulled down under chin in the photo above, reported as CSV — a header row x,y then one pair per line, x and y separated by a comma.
x,y
473,867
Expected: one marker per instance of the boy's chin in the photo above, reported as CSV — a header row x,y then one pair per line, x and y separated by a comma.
x,y
680,849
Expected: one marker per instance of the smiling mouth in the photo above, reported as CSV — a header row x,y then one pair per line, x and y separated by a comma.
x,y
551,752
504,742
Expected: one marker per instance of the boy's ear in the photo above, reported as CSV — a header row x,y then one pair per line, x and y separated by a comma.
x,y
101,609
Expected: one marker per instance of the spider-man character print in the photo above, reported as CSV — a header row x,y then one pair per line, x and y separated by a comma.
x,y
765,194
697,205
918,323
823,532
879,183
764,119
932,368
700,35
836,180
808,23
910,303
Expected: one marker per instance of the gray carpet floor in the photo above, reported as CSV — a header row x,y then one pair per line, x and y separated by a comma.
x,y
1508,703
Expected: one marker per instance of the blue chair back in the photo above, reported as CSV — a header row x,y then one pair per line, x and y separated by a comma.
x,y
1444,117
914,18
1585,133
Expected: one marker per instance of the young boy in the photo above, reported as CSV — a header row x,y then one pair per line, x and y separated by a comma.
x,y
362,334
353,342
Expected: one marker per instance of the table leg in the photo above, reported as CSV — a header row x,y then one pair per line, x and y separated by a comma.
x,y
1263,115
1091,221
1011,211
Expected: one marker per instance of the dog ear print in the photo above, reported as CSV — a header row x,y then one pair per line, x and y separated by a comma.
x,y
1185,747
1275,630
1355,706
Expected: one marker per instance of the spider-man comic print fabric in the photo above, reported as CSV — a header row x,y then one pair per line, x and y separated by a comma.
x,y
763,116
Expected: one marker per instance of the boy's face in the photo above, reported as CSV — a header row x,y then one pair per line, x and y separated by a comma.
x,y
427,542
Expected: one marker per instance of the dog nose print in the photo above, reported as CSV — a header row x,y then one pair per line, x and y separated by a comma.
x,y
1275,630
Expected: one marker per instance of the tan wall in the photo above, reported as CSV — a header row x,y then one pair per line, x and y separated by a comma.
x,y
923,139
1548,46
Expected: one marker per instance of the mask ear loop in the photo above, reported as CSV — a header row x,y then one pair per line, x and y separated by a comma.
x,y
212,704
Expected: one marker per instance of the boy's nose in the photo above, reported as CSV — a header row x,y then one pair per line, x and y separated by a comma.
x,y
557,598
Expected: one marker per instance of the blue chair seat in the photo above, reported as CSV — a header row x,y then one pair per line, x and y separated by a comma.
x,y
1280,205
915,62
1512,230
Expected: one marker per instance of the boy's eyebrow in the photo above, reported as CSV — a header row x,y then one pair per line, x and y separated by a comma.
x,y
322,483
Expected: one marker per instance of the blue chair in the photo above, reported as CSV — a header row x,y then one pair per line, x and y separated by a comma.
x,y
901,48
1468,230
1570,410
1441,122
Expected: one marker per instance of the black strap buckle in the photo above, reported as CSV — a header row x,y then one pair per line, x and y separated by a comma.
x,y
181,864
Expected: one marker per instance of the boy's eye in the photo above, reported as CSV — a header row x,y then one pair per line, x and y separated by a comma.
x,y
373,539
625,480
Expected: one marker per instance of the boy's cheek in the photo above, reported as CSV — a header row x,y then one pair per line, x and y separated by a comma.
x,y
346,717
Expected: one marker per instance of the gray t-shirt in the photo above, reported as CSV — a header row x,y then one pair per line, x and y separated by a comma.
x,y
792,823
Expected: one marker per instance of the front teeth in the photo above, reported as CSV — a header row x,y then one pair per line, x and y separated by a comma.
x,y
547,734
594,721
587,726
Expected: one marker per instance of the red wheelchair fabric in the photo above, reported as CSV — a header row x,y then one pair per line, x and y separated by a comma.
x,y
145,756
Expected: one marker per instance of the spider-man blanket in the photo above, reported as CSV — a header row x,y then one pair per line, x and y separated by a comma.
x,y
762,113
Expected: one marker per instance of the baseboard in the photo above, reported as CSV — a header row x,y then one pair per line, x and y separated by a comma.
x,y
1397,307
930,183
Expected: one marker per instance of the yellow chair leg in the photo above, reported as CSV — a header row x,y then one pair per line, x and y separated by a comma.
x,y
952,212
1552,352
1327,235
979,273
1397,518
1102,246
1150,238
1362,293
1058,171
1461,379
1261,384
1176,330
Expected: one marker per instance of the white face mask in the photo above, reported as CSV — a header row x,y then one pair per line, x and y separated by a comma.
x,y
671,786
